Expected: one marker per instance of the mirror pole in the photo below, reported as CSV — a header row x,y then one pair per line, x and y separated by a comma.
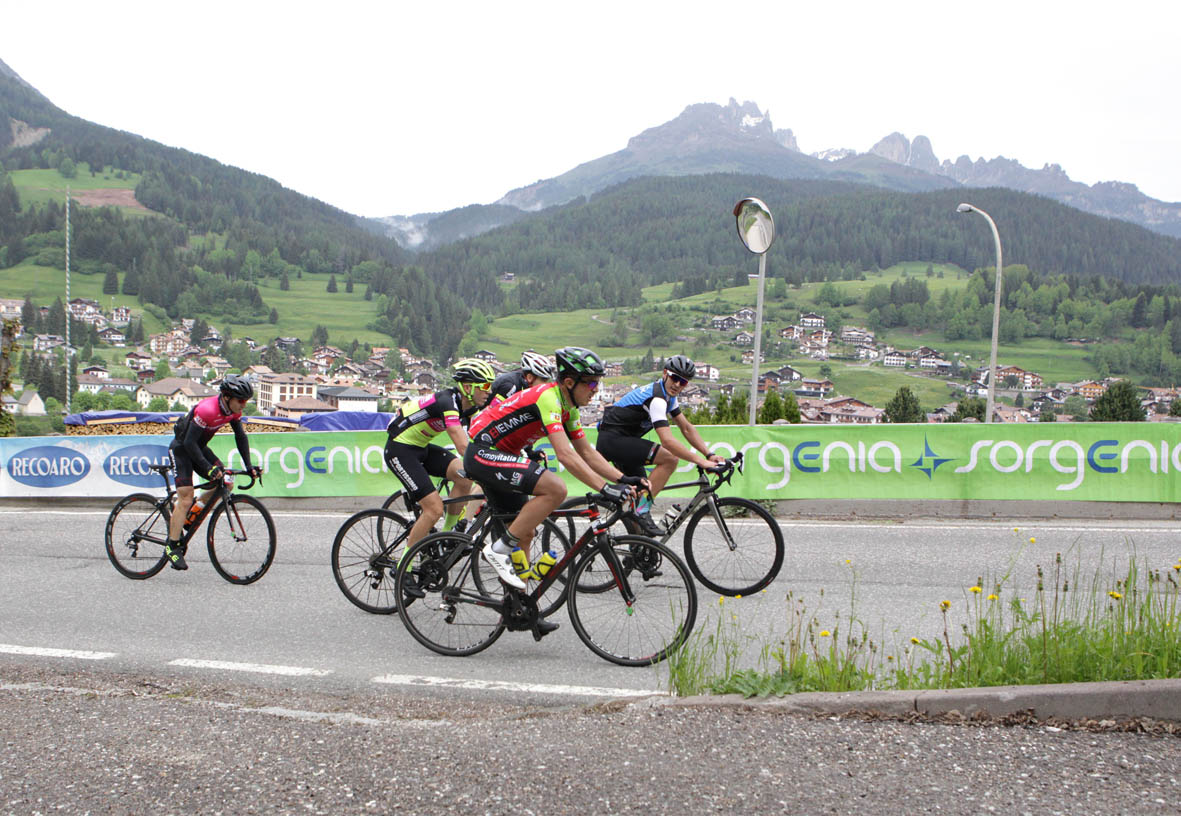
x,y
754,378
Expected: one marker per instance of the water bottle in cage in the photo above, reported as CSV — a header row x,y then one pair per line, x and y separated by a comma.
x,y
670,516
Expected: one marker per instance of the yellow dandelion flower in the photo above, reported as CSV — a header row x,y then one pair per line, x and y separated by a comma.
x,y
721,600
991,596
889,657
945,605
914,640
848,560
1177,567
1032,540
738,596
825,633
1115,595
977,590
1016,529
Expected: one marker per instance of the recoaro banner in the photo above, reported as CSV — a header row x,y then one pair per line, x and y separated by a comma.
x,y
1137,462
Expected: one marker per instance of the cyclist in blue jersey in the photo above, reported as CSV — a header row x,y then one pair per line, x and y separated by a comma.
x,y
653,406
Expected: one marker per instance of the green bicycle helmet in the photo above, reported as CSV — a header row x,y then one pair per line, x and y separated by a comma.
x,y
575,361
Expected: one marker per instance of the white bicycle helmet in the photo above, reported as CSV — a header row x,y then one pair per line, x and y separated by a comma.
x,y
537,364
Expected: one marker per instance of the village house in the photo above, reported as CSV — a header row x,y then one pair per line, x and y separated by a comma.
x,y
1026,380
273,389
744,338
808,387
121,315
1091,390
614,369
745,315
705,371
174,389
748,356
296,407
868,351
349,398
895,359
97,371
724,322
791,332
788,373
850,411
47,342
811,320
112,336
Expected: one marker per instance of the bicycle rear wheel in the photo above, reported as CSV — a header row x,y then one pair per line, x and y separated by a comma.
x,y
444,609
657,621
135,534
736,550
241,539
365,554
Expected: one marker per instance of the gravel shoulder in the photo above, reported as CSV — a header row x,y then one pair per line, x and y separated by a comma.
x,y
101,742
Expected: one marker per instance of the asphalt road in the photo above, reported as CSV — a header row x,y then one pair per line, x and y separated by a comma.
x,y
183,693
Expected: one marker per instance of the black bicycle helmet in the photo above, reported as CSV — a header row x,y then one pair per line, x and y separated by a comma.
x,y
235,386
681,365
575,361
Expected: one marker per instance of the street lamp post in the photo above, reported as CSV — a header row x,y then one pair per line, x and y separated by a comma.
x,y
996,308
756,228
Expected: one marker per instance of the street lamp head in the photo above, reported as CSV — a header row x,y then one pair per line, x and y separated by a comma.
x,y
964,208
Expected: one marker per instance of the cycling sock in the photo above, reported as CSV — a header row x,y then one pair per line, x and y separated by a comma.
x,y
644,505
506,544
451,519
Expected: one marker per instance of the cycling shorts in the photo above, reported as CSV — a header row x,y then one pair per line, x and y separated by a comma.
x,y
414,466
507,479
631,454
183,465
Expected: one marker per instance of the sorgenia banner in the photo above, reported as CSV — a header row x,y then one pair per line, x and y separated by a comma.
x,y
1134,462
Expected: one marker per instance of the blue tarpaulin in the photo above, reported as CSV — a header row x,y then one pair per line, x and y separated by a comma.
x,y
345,421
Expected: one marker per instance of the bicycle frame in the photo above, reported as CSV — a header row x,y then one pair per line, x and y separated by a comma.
x,y
705,494
168,503
520,609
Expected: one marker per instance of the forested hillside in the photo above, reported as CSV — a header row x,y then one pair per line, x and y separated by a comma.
x,y
223,229
602,251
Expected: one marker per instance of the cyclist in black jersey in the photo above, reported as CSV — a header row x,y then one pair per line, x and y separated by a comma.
x,y
413,457
653,406
535,368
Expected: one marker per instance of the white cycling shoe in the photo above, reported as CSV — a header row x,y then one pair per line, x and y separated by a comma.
x,y
503,564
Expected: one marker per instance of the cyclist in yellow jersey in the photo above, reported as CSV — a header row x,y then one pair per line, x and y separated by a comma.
x,y
502,431
411,454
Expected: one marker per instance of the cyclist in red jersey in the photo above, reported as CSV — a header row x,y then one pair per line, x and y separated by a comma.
x,y
190,452
501,432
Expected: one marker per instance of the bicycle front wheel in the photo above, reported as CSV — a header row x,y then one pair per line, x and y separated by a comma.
x,y
733,546
136,531
241,539
658,619
365,554
443,608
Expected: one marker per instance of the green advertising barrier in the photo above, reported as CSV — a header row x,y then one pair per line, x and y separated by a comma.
x,y
1136,462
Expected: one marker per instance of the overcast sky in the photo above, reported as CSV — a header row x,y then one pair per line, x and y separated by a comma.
x,y
393,108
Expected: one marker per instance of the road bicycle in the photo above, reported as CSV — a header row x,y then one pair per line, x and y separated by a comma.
x,y
370,543
640,607
240,536
733,546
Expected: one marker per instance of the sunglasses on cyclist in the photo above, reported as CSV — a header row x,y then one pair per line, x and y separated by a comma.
x,y
593,385
678,379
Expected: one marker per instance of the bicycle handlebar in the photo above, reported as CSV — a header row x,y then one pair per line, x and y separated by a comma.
x,y
229,472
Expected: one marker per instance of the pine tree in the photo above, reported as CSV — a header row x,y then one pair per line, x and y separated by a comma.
x,y
904,407
1119,403
332,284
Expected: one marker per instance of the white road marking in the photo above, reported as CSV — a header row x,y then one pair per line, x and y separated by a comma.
x,y
45,652
500,685
257,668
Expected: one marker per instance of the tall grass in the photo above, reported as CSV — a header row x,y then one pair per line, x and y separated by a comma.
x,y
1073,629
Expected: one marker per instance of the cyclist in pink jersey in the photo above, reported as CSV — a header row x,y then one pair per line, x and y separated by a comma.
x,y
190,452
